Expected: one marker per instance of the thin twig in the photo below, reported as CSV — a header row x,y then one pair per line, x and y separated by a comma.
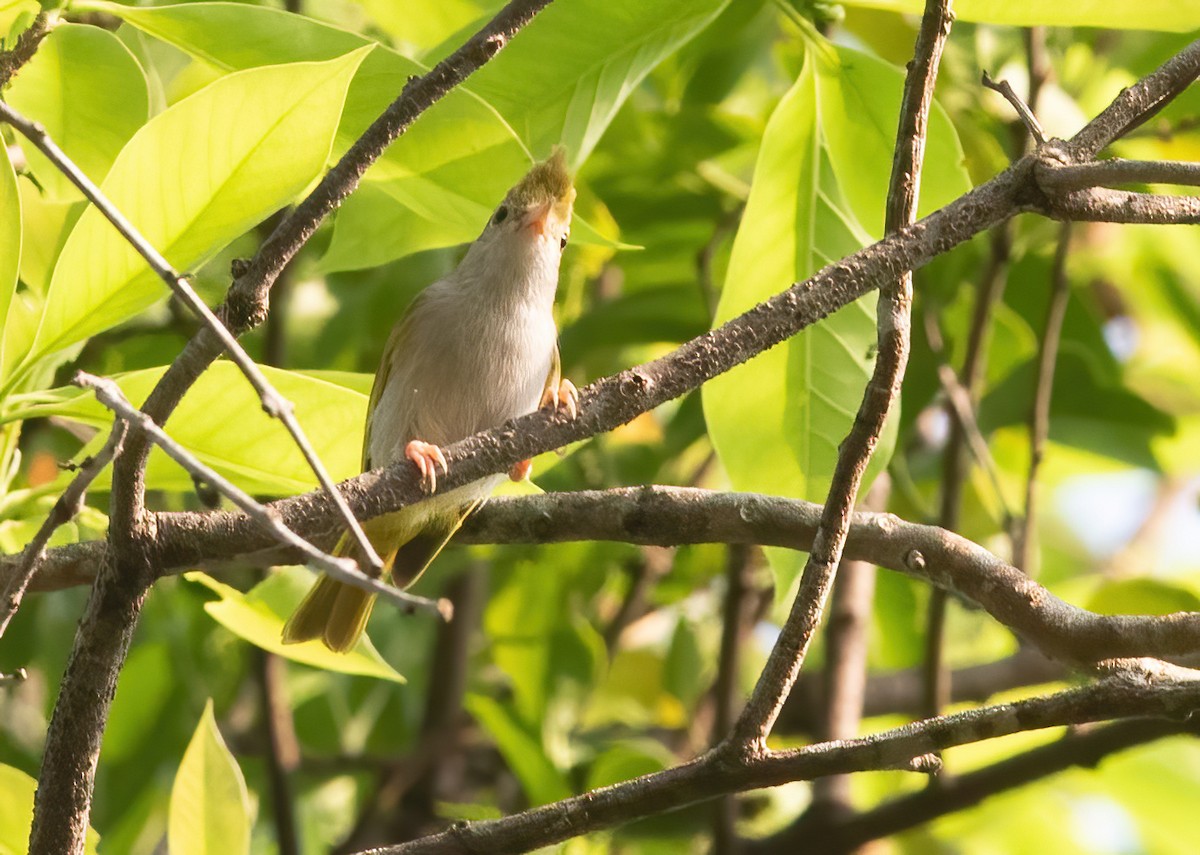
x,y
345,570
68,505
1119,206
274,404
282,748
961,399
1039,413
893,324
1116,171
1027,118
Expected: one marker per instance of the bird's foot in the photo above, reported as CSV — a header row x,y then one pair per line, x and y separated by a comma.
x,y
520,471
428,457
565,398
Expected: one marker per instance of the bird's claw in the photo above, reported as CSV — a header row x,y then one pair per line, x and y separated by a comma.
x,y
565,398
427,457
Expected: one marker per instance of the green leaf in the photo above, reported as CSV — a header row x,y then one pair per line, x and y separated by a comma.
x,y
543,783
625,761
253,449
89,93
258,617
267,134
435,189
1142,597
569,71
10,241
16,813
210,808
1165,15
821,175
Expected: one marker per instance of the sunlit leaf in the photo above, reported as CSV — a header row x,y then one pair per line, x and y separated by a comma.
x,y
16,813
10,241
267,134
817,196
210,808
543,783
1166,15
258,617
568,72
252,449
86,89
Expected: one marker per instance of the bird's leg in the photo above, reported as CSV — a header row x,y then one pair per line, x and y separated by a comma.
x,y
564,397
428,457
520,471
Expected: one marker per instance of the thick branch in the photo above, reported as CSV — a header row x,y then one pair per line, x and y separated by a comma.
x,y
672,516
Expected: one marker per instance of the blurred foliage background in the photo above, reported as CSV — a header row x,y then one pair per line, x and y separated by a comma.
x,y
724,150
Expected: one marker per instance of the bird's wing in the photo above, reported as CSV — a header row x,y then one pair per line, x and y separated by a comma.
x,y
396,341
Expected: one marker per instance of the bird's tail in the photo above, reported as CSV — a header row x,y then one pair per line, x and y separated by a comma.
x,y
333,611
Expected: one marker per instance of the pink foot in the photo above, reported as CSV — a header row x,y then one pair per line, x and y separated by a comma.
x,y
428,457
520,471
565,397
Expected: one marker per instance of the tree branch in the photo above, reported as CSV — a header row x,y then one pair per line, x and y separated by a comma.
x,y
715,773
894,321
27,44
344,570
63,800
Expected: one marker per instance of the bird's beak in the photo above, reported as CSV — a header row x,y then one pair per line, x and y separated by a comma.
x,y
545,218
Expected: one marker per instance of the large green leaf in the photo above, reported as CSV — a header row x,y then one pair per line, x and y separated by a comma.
x,y
818,195
434,188
569,71
252,449
84,86
192,179
210,808
10,241
1166,15
543,783
16,813
258,617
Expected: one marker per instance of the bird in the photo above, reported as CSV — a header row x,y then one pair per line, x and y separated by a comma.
x,y
474,349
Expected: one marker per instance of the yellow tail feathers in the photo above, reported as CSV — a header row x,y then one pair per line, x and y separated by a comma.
x,y
332,611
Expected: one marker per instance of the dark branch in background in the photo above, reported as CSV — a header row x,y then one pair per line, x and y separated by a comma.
x,y
68,505
902,692
962,394
63,801
1083,748
274,404
671,516
716,773
344,570
844,677
1039,411
736,614
282,748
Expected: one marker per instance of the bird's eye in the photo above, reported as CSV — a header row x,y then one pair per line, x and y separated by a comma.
x,y
501,215
563,243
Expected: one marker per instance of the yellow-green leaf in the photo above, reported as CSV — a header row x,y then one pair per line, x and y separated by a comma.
x,y
258,617
192,179
89,93
1164,15
10,241
210,808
